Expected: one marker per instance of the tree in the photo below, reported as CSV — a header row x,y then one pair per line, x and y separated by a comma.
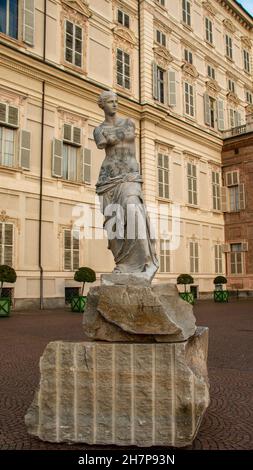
x,y
85,275
7,274
220,280
185,279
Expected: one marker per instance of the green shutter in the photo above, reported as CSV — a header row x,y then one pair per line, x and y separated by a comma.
x,y
57,152
25,149
172,88
29,22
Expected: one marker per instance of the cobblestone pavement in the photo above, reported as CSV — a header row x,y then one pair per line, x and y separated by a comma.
x,y
228,423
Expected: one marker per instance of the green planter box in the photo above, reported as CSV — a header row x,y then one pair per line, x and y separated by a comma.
x,y
78,304
5,306
220,296
187,296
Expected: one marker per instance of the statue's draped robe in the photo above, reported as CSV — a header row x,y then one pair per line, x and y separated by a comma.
x,y
119,184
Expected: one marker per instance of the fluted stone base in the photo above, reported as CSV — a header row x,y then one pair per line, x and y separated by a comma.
x,y
121,393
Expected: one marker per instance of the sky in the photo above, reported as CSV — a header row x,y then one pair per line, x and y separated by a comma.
x,y
247,4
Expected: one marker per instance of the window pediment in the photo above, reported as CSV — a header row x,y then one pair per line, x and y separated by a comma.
x,y
209,8
124,35
249,109
213,87
162,56
246,42
190,70
229,25
79,6
233,98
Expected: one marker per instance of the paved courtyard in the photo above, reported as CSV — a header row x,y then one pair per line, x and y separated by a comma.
x,y
228,423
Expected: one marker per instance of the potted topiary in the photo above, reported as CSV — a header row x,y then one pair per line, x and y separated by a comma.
x,y
186,279
7,274
83,275
219,294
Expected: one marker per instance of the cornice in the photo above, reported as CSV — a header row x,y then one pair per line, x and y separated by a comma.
x,y
233,98
241,17
246,42
213,87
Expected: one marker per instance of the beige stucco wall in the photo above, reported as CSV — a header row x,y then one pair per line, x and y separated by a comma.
x,y
72,92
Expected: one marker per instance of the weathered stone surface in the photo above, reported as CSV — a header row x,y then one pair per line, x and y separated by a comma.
x,y
138,313
125,279
123,394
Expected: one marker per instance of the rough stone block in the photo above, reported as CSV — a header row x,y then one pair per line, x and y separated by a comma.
x,y
121,393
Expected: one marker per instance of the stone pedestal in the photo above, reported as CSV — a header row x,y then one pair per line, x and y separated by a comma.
x,y
126,394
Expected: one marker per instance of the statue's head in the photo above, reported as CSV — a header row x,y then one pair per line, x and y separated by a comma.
x,y
106,96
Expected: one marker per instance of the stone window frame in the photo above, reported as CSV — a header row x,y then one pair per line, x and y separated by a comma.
x,y
79,18
124,39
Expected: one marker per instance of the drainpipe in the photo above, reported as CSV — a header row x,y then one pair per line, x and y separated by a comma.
x,y
42,161
140,84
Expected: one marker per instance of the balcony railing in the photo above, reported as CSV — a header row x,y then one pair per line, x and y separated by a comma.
x,y
244,129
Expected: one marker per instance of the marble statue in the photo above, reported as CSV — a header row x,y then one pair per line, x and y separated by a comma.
x,y
119,187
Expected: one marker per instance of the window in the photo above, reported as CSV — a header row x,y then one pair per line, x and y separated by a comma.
x,y
216,190
249,97
234,198
161,84
161,2
211,72
234,118
236,259
246,61
194,257
71,249
163,175
123,19
71,161
231,85
123,69
7,146
164,256
9,18
69,170
210,111
189,100
218,259
192,183
229,47
6,243
73,44
188,56
186,9
209,30
161,38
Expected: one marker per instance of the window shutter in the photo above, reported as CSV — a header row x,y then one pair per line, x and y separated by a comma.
x,y
67,250
25,149
237,119
77,135
57,158
3,113
86,165
235,177
67,132
13,116
8,244
155,82
241,196
220,110
172,88
207,110
29,20
224,199
75,241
